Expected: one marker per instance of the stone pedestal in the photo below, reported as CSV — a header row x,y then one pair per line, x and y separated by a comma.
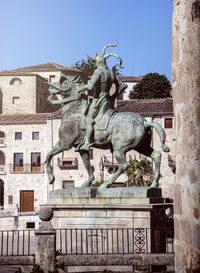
x,y
112,208
45,241
108,208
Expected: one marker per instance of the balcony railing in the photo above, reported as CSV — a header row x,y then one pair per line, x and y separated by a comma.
x,y
2,169
26,168
2,141
68,163
110,165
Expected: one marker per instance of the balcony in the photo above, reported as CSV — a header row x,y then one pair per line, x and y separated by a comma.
x,y
110,165
2,169
68,163
2,142
26,168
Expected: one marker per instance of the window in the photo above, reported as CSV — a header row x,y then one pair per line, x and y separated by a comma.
x,y
30,224
15,100
66,184
35,135
16,81
18,162
52,78
168,123
18,135
35,162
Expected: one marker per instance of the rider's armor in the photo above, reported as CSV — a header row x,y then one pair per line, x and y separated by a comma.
x,y
100,82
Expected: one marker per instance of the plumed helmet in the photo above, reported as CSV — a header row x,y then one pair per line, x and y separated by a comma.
x,y
102,56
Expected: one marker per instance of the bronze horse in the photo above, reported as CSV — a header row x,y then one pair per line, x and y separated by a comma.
x,y
125,131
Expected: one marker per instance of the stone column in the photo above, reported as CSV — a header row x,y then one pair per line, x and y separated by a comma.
x,y
45,241
186,95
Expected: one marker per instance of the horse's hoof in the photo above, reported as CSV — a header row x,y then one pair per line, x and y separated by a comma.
x,y
86,185
51,181
103,186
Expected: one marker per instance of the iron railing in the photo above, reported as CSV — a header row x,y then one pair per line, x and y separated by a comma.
x,y
27,168
17,242
114,241
92,241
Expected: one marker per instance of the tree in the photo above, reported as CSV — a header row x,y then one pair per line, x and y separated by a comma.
x,y
89,66
153,85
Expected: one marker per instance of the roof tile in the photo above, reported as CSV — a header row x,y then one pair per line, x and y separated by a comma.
x,y
147,107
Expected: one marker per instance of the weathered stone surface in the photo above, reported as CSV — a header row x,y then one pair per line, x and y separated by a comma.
x,y
178,199
186,96
4,269
133,192
45,214
118,259
185,231
13,260
45,246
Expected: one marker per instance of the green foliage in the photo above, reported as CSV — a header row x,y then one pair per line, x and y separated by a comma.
x,y
57,265
97,183
88,66
140,173
153,85
36,267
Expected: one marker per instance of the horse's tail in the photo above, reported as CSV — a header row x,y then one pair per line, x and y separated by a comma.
x,y
160,131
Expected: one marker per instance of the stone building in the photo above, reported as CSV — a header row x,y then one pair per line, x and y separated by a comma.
x,y
130,81
24,90
186,95
27,133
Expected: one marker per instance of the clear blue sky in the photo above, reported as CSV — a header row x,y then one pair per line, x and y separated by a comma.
x,y
64,31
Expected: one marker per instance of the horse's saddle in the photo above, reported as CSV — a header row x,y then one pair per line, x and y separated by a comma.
x,y
102,124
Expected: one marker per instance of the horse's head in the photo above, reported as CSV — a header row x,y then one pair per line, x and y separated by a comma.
x,y
66,87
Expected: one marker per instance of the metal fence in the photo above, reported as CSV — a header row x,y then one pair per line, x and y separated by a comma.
x,y
114,241
17,242
92,241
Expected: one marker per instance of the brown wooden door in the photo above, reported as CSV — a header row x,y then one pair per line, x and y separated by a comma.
x,y
26,200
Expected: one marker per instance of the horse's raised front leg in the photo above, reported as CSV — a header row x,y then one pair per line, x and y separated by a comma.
x,y
55,150
121,159
86,161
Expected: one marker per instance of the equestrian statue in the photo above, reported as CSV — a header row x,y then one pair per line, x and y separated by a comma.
x,y
88,119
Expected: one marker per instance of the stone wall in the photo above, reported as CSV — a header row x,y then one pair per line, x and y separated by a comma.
x,y
14,182
186,95
25,91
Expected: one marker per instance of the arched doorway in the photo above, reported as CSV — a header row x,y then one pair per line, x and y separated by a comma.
x,y
1,193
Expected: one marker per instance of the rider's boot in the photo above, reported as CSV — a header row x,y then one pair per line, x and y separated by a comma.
x,y
85,145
